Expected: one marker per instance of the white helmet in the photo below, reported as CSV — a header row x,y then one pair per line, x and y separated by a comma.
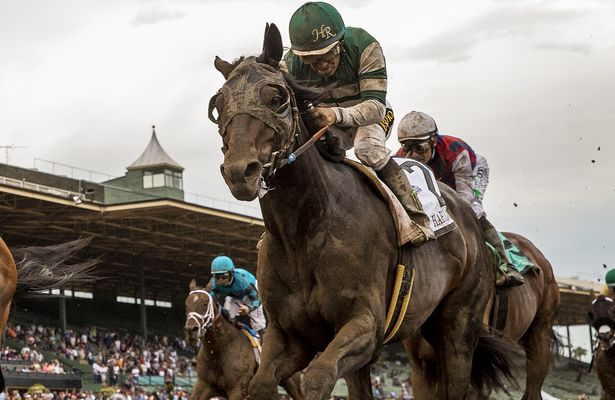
x,y
416,126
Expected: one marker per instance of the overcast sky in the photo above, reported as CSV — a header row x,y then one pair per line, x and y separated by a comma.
x,y
530,85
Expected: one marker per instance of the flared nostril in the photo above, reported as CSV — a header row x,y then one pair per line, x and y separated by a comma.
x,y
252,169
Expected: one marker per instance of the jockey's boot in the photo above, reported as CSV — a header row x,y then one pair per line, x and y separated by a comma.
x,y
395,178
507,274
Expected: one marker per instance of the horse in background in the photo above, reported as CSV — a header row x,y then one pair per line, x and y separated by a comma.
x,y
602,319
36,268
532,308
327,265
226,360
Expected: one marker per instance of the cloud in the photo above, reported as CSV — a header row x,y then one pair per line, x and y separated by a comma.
x,y
571,47
156,16
513,21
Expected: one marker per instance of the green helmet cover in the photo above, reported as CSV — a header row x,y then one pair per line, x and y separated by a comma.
x,y
610,278
314,26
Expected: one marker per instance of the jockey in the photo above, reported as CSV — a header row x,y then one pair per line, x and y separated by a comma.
x,y
235,289
325,52
456,164
609,280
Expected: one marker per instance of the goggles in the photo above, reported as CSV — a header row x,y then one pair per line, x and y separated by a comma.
x,y
420,147
223,278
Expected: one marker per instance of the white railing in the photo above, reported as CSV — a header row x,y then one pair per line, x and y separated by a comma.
x,y
70,171
35,187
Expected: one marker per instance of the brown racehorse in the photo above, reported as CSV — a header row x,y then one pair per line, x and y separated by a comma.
x,y
38,268
8,284
326,266
226,360
532,308
602,318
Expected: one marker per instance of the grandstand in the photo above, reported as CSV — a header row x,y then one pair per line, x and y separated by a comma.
x,y
151,242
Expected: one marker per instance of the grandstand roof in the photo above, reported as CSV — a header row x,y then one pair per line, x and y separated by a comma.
x,y
174,239
154,156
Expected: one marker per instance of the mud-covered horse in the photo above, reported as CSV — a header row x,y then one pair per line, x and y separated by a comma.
x,y
532,308
30,269
226,361
602,319
326,266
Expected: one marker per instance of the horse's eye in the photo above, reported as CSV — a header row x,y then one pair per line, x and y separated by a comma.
x,y
276,102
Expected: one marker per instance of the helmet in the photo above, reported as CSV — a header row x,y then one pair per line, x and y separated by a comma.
x,y
315,28
416,126
610,278
221,265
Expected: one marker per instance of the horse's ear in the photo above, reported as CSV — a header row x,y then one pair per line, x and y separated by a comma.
x,y
192,284
272,47
223,66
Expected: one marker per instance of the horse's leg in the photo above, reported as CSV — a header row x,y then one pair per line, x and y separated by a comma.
x,y
352,347
202,391
359,384
292,386
537,345
424,367
281,357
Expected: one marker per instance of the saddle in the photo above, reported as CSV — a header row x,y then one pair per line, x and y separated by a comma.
x,y
428,193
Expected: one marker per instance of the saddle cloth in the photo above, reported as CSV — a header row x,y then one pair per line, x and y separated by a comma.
x,y
516,256
424,184
254,339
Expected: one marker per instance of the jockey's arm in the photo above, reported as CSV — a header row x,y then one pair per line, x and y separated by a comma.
x,y
254,301
462,171
373,86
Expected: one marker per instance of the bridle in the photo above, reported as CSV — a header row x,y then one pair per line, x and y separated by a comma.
x,y
241,96
206,320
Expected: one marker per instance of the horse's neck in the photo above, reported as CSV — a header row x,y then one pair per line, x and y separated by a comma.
x,y
219,335
303,189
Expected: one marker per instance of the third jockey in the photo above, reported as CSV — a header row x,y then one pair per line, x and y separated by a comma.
x,y
235,290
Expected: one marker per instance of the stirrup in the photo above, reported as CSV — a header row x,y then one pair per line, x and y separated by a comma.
x,y
421,234
510,279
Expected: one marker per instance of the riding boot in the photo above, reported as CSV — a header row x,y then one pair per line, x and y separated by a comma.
x,y
395,178
507,274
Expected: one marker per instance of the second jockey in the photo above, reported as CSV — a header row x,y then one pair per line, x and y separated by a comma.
x,y
455,163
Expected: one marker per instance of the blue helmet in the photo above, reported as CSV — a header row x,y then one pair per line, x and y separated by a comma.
x,y
221,265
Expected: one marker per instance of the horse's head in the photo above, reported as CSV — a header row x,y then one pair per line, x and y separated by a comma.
x,y
602,318
200,313
256,116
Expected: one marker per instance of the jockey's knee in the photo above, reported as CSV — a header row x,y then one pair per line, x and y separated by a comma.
x,y
372,156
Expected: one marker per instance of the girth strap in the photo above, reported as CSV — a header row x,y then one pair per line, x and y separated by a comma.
x,y
402,290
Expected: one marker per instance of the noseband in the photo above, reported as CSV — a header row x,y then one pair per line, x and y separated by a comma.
x,y
203,321
605,334
240,94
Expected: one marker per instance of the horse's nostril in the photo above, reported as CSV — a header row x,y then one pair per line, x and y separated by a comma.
x,y
252,169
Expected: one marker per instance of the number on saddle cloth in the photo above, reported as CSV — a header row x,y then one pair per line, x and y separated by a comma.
x,y
425,185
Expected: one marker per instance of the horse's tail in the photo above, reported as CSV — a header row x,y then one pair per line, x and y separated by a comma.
x,y
45,267
495,359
